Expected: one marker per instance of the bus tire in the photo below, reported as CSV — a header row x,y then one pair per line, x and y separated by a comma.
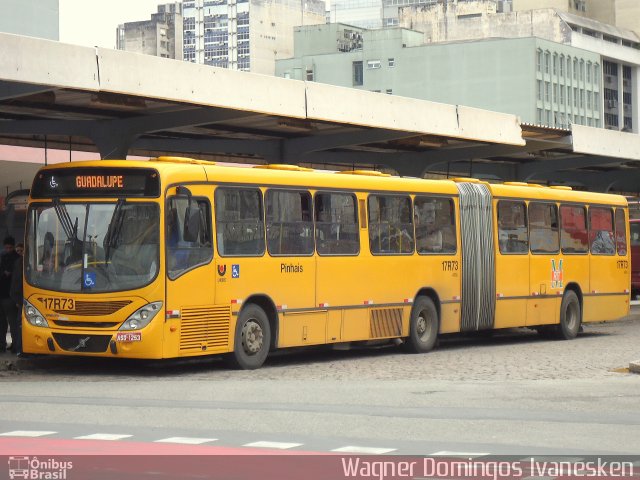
x,y
570,316
252,339
423,326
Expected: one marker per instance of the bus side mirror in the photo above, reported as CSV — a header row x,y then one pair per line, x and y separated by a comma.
x,y
192,222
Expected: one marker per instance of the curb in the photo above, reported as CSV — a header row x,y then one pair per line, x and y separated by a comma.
x,y
634,367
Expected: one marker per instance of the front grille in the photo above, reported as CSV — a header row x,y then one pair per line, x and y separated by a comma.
x,y
90,309
82,343
386,322
205,328
72,324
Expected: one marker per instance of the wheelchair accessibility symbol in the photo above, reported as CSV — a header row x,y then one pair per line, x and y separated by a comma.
x,y
89,279
235,271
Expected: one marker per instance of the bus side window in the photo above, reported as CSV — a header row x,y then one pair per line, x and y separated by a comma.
x,y
513,236
601,235
336,224
239,221
435,225
390,225
543,227
621,232
184,254
289,222
573,235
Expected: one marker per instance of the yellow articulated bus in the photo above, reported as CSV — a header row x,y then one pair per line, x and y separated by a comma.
x,y
175,257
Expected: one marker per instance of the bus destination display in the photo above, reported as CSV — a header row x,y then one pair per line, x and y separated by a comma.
x,y
96,181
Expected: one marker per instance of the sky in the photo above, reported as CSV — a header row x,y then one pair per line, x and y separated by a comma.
x,y
94,22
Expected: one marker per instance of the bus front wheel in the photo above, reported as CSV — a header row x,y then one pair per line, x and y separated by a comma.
x,y
570,316
252,339
423,327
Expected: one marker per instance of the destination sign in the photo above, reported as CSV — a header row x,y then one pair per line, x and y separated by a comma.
x,y
103,181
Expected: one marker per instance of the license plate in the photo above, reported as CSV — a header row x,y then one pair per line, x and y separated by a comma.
x,y
128,337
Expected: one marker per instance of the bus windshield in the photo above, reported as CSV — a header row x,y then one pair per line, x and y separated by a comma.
x,y
92,247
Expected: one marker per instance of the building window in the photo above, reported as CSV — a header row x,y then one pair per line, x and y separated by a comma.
x,y
358,79
389,91
539,60
373,64
309,74
392,62
547,61
589,72
555,63
561,65
539,89
547,92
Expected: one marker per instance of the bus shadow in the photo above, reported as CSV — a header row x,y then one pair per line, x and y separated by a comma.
x,y
98,368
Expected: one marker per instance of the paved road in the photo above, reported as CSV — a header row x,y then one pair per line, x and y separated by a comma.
x,y
511,394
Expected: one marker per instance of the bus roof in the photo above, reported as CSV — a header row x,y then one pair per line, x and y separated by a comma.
x,y
178,170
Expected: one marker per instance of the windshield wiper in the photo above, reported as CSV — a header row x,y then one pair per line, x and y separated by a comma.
x,y
70,230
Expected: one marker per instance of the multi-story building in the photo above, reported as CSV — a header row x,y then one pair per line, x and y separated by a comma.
x,y
621,13
245,35
359,13
479,19
542,81
33,18
161,36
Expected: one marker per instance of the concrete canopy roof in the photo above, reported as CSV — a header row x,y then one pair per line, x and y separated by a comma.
x,y
119,103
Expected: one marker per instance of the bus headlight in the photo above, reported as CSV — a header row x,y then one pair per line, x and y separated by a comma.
x,y
34,317
141,317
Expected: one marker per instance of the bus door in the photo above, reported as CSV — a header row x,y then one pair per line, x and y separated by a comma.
x,y
339,262
287,273
605,274
512,264
194,325
546,264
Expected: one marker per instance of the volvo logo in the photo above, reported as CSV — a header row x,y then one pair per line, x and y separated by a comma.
x,y
82,343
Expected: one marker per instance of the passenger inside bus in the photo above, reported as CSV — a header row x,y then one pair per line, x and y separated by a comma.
x,y
512,227
429,236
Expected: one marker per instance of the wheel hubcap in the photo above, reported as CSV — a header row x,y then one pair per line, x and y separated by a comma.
x,y
423,326
252,337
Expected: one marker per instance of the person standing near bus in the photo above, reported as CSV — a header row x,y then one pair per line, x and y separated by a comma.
x,y
7,307
16,295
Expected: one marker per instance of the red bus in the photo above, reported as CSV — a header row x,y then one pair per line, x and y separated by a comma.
x,y
634,233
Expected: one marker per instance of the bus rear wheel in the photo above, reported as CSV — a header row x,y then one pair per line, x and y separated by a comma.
x,y
423,326
252,339
570,317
